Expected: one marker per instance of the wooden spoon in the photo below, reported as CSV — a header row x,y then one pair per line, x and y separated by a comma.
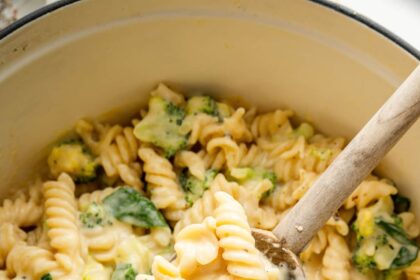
x,y
342,177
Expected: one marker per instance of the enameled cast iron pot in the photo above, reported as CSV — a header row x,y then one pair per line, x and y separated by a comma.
x,y
77,59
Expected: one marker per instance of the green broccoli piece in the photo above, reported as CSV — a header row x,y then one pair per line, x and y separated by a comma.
x,y
363,262
73,157
304,129
382,245
46,277
194,187
162,126
202,104
251,177
94,215
124,271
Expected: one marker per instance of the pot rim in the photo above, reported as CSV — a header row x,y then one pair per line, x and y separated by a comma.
x,y
325,3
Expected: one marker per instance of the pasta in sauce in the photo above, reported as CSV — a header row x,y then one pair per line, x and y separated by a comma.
x,y
190,177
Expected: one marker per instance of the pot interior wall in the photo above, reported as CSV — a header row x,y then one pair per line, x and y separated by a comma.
x,y
332,70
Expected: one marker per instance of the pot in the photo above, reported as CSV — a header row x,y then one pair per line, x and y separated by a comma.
x,y
76,59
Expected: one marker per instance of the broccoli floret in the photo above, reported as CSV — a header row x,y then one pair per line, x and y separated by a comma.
x,y
202,104
304,129
46,277
94,215
194,187
251,177
124,271
363,262
74,158
162,126
382,245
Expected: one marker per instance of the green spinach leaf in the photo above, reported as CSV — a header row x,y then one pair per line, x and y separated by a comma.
x,y
128,205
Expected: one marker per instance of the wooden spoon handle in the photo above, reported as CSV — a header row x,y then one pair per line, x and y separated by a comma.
x,y
352,165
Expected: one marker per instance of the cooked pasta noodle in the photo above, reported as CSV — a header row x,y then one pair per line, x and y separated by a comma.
x,y
336,260
10,236
61,219
173,193
165,190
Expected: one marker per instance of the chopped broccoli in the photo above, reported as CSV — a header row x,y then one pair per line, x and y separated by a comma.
x,y
304,129
202,104
124,271
46,277
382,245
74,158
162,126
94,215
129,206
194,187
252,176
401,203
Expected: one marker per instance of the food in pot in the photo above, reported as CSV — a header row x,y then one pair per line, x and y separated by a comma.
x,y
191,176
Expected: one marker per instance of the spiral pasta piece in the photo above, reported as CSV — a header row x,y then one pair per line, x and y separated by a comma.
x,y
204,128
409,224
10,236
206,205
62,222
259,216
226,145
288,195
162,181
317,245
168,94
164,270
266,125
94,197
192,161
236,240
102,242
336,261
368,192
30,262
24,211
196,246
118,155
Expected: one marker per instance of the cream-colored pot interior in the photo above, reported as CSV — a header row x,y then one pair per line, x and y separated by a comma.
x,y
103,56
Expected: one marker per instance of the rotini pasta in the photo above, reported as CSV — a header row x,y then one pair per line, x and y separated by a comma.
x,y
10,236
61,219
236,240
336,260
173,194
162,181
206,205
23,211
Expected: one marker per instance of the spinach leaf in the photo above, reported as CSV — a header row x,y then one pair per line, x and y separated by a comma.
x,y
46,277
128,205
401,203
409,250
